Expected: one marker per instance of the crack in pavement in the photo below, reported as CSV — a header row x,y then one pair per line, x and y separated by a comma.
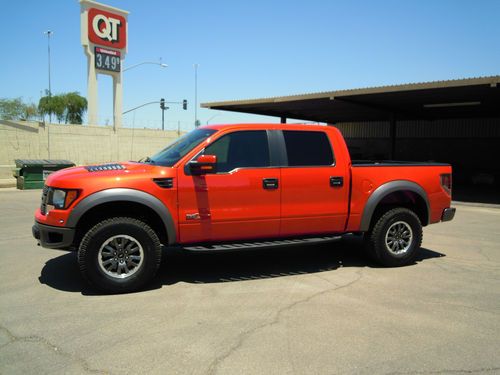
x,y
38,339
242,337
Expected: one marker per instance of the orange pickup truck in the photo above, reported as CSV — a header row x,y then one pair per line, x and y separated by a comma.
x,y
233,187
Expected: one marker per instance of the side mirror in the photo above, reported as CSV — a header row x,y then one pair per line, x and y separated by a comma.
x,y
204,164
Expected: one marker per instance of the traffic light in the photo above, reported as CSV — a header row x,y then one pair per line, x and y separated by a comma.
x,y
162,103
184,104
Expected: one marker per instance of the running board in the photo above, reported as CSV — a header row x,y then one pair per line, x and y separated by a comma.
x,y
260,244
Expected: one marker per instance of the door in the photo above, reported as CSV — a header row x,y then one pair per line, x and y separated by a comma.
x,y
240,201
315,191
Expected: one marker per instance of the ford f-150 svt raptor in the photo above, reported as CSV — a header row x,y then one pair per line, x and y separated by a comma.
x,y
229,187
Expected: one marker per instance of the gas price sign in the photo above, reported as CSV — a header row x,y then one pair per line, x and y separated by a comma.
x,y
107,59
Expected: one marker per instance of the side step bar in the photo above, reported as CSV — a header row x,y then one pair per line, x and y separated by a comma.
x,y
260,244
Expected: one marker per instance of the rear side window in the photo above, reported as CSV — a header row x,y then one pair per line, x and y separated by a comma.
x,y
305,148
245,149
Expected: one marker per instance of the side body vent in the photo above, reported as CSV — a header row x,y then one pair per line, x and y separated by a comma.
x,y
104,167
164,183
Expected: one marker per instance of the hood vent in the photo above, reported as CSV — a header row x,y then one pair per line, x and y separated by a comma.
x,y
104,167
164,183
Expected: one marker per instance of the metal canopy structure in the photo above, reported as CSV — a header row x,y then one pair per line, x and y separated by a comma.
x,y
462,98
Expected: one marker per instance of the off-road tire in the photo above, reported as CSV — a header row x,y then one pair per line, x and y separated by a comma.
x,y
376,240
90,255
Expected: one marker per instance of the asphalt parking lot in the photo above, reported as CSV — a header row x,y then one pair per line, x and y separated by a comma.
x,y
304,310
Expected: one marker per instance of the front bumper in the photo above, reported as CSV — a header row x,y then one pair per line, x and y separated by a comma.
x,y
448,214
53,237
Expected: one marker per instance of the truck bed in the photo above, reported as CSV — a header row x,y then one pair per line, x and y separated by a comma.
x,y
367,176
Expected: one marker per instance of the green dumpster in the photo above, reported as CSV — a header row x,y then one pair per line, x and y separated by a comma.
x,y
31,174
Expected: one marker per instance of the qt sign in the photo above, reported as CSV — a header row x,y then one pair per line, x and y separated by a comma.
x,y
107,29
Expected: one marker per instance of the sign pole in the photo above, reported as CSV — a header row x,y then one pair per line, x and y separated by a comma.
x,y
117,103
92,101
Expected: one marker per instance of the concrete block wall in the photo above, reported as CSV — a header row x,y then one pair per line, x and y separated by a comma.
x,y
82,144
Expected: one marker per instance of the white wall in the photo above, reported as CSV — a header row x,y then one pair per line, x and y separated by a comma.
x,y
80,144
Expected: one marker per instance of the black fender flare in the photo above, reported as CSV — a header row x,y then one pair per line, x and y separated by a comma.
x,y
382,191
123,194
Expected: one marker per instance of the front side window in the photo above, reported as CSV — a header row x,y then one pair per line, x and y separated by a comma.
x,y
244,149
306,148
175,151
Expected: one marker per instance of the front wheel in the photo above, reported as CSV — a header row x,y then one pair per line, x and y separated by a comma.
x,y
395,238
119,255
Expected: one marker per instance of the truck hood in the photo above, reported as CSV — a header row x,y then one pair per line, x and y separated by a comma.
x,y
108,173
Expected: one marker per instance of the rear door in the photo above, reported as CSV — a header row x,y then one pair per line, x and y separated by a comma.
x,y
315,191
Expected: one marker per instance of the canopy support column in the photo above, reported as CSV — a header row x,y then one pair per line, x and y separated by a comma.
x,y
392,135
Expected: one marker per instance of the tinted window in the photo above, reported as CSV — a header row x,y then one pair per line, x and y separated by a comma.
x,y
240,150
305,148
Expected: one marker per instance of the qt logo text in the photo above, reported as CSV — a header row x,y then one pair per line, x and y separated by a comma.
x,y
106,29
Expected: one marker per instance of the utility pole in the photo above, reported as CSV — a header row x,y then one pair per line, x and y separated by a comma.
x,y
49,33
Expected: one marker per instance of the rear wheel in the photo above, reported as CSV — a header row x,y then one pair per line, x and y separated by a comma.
x,y
119,255
395,238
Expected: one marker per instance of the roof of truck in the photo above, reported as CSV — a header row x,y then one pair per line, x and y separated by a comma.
x,y
277,126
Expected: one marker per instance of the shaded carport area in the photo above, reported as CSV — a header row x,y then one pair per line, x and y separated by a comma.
x,y
455,121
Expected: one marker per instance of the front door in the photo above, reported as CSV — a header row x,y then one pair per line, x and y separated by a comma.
x,y
240,201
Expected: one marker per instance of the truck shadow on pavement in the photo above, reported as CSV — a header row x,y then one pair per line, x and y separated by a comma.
x,y
62,272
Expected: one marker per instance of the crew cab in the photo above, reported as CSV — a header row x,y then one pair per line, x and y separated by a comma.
x,y
230,187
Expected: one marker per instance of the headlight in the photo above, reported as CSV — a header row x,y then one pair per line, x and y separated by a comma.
x,y
61,199
58,198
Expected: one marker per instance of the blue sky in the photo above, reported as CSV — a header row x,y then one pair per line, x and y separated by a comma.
x,y
250,49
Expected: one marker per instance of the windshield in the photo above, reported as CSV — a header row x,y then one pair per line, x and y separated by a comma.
x,y
175,151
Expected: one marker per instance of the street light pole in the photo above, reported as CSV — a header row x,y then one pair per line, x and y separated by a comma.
x,y
145,62
214,116
49,33
195,95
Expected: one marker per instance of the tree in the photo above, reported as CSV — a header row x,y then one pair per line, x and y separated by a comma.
x,y
68,107
30,111
76,106
16,109
45,106
52,105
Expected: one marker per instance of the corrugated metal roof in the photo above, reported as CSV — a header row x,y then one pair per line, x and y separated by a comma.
x,y
459,98
492,80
